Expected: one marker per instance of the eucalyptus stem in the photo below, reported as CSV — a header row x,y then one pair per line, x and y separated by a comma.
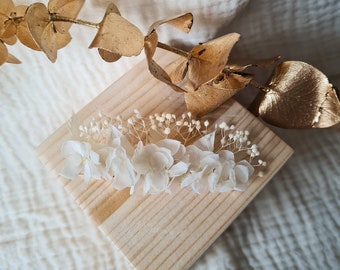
x,y
57,18
173,49
257,85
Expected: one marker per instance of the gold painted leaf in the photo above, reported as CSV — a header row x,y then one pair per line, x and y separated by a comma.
x,y
150,44
209,97
10,41
117,35
182,22
23,33
65,8
109,56
3,53
209,59
44,32
52,40
7,26
178,69
299,96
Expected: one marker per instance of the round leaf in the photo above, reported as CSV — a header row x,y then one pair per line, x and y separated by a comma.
x,y
23,33
300,96
119,36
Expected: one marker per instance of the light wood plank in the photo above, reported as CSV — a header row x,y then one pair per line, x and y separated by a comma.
x,y
162,231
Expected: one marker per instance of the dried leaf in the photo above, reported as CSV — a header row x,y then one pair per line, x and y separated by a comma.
x,y
23,33
109,56
150,44
209,97
300,96
7,26
178,69
209,59
65,8
43,31
182,22
10,41
3,53
12,59
52,40
6,6
117,35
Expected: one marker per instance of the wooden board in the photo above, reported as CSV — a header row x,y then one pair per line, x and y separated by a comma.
x,y
162,231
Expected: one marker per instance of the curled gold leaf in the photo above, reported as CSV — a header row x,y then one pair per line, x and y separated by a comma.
x,y
117,35
181,22
299,96
150,44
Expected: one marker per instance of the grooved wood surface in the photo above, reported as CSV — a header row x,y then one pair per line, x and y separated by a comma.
x,y
162,231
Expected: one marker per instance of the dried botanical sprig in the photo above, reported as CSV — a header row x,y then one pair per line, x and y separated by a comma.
x,y
298,95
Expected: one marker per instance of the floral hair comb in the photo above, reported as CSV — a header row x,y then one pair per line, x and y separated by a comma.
x,y
160,149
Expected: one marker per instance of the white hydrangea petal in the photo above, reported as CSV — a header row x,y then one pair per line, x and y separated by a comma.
x,y
214,177
178,169
190,178
94,157
180,155
243,170
71,148
70,170
226,186
201,186
118,139
226,155
207,142
172,145
158,180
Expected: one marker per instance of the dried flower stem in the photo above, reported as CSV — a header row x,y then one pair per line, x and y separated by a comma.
x,y
259,86
173,49
57,18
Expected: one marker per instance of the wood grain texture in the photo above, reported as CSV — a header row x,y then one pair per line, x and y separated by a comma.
x,y
162,231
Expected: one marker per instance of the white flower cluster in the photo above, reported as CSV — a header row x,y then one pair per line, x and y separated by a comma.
x,y
158,150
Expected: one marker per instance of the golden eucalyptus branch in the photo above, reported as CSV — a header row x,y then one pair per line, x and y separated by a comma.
x,y
297,95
